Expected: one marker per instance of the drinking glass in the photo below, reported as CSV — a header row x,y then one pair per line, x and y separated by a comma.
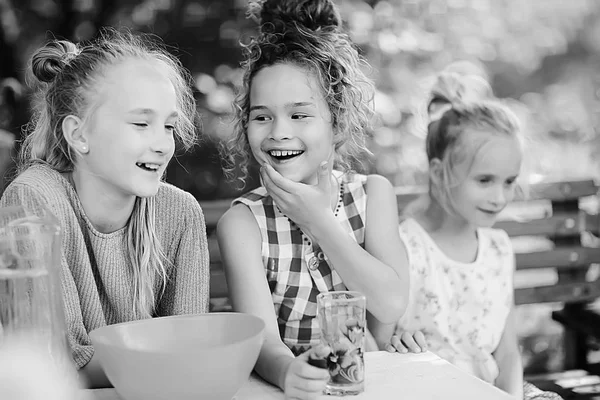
x,y
342,319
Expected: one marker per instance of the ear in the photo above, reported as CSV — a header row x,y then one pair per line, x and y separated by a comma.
x,y
435,171
74,135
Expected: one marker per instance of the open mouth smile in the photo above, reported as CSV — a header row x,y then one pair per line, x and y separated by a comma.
x,y
150,167
284,155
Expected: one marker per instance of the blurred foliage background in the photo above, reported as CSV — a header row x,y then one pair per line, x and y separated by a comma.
x,y
543,56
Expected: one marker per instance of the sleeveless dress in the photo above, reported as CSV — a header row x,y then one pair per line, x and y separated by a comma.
x,y
461,308
296,269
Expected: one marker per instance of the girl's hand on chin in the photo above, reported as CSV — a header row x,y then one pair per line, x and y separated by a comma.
x,y
304,204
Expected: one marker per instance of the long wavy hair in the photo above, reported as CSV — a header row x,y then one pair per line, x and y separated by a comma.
x,y
66,76
307,34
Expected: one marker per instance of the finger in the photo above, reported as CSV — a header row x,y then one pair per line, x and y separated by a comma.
x,y
275,191
320,351
324,176
390,348
420,339
398,344
309,372
409,341
279,180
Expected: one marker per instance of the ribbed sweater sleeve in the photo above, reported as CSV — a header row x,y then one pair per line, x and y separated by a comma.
x,y
187,290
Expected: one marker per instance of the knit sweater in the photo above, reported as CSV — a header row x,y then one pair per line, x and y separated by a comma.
x,y
96,272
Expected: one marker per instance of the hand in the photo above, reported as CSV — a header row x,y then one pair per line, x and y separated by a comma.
x,y
405,342
304,381
300,202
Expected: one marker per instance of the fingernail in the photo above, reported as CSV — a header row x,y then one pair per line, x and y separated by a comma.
x,y
324,165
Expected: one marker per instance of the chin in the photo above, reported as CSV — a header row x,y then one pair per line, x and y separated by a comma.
x,y
148,191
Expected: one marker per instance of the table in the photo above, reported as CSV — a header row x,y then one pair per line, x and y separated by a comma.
x,y
410,376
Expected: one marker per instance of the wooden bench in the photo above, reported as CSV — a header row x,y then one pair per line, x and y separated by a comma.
x,y
554,227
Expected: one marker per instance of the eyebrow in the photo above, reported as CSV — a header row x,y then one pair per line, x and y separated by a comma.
x,y
149,111
287,105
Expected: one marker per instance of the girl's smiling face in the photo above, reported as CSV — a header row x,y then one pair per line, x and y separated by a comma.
x,y
290,125
131,132
488,184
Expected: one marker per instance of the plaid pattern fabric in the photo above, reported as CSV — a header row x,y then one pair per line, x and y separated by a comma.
x,y
531,392
297,270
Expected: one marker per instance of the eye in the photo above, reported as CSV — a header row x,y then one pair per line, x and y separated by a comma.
x,y
299,116
484,180
141,124
260,118
170,128
511,181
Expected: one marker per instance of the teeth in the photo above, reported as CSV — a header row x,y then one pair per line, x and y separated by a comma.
x,y
148,166
284,153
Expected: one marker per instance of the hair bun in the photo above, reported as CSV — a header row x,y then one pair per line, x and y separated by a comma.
x,y
275,15
455,90
50,60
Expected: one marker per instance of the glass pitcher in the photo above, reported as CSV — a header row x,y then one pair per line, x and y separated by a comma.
x,y
31,305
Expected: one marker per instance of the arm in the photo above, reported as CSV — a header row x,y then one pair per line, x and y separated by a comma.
x,y
187,290
508,358
240,245
380,270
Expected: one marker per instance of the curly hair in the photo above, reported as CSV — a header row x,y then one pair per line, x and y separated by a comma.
x,y
307,34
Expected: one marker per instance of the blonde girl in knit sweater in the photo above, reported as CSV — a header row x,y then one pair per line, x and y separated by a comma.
x,y
107,117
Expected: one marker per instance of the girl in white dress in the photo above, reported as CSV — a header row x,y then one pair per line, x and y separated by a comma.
x,y
461,269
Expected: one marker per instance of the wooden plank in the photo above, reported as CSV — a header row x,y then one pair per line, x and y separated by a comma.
x,y
554,191
560,258
592,223
562,191
561,292
563,224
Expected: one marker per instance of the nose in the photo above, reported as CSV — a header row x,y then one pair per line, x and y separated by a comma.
x,y
162,142
280,130
499,196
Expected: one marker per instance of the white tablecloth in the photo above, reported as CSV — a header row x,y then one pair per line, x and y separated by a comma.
x,y
388,376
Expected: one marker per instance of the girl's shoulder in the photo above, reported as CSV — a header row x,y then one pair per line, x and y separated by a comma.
x,y
496,235
176,208
40,185
497,240
256,196
43,178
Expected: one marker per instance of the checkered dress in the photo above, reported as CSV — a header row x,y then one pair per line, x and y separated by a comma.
x,y
297,270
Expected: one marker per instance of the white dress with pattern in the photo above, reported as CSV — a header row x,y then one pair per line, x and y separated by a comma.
x,y
460,307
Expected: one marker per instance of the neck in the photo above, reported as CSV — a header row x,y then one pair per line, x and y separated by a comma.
x,y
106,210
438,220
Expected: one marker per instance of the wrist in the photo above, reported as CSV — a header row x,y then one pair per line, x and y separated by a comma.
x,y
325,227
286,362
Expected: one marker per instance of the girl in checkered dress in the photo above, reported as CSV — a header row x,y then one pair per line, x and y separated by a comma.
x,y
313,226
461,269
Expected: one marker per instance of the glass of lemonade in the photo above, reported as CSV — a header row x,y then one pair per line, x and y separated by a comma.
x,y
342,319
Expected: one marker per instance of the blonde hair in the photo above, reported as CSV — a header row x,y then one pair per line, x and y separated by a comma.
x,y
307,34
67,75
459,104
